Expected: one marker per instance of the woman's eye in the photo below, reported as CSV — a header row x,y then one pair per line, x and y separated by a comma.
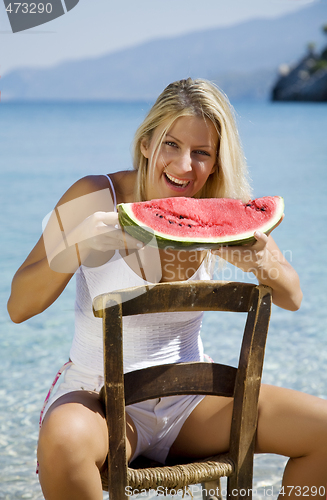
x,y
171,143
200,152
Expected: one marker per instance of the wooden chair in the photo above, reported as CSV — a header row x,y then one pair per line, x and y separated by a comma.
x,y
243,383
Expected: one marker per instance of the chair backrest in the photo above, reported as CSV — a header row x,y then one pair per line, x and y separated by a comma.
x,y
242,383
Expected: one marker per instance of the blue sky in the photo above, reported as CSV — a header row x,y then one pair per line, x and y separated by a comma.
x,y
97,27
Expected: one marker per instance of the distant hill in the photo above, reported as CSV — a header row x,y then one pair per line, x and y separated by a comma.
x,y
242,59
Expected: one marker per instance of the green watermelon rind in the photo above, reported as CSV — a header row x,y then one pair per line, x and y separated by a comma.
x,y
153,238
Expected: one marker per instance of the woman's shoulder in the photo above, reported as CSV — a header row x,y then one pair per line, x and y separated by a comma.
x,y
123,184
84,186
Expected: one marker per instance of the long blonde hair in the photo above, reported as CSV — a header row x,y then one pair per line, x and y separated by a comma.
x,y
196,98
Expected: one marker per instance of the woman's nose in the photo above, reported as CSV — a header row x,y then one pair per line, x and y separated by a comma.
x,y
185,162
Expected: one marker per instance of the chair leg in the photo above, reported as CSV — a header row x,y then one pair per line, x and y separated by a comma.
x,y
240,488
211,490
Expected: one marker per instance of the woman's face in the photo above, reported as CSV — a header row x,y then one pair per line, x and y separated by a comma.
x,y
186,158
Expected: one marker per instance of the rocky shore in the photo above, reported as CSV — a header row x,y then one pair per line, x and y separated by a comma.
x,y
306,81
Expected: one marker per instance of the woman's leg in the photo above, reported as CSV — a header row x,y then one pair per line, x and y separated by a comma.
x,y
73,446
295,425
290,423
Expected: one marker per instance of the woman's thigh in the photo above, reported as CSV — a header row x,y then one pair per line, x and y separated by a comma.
x,y
76,421
290,423
206,431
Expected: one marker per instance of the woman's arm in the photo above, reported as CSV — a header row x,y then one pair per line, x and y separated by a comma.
x,y
35,286
270,267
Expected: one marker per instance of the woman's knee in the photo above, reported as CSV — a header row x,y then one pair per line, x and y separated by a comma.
x,y
70,434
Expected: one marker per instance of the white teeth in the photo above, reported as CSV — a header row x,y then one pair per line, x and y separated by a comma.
x,y
177,181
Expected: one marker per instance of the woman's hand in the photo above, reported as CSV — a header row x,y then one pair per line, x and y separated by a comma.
x,y
92,242
249,258
267,263
101,232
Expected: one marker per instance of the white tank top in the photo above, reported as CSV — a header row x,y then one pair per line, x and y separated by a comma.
x,y
149,339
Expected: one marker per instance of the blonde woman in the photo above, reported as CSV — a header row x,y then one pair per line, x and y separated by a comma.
x,y
188,145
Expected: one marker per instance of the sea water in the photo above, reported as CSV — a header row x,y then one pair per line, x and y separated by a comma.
x,y
44,148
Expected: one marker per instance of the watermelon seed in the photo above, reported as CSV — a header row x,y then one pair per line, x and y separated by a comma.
x,y
161,216
171,222
181,217
180,224
263,209
189,225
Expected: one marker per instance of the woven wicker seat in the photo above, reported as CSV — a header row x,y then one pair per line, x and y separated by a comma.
x,y
242,383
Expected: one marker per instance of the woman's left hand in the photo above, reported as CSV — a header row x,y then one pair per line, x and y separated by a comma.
x,y
249,258
264,259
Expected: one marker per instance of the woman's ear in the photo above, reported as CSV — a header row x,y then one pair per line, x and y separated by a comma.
x,y
215,167
144,148
216,164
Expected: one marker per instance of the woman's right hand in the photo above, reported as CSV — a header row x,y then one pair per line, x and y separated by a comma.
x,y
92,242
101,232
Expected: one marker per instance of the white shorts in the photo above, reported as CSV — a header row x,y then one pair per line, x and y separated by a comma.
x,y
157,421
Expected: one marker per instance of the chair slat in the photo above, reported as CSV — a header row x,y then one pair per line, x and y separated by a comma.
x,y
185,378
180,296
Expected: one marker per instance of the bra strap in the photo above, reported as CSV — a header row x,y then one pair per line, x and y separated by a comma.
x,y
113,191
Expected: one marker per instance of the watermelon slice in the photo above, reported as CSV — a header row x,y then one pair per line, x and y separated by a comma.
x,y
190,223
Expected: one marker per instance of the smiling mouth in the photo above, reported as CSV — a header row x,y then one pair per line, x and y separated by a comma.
x,y
176,182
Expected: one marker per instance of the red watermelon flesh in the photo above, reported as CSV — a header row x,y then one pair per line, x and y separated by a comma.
x,y
183,222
